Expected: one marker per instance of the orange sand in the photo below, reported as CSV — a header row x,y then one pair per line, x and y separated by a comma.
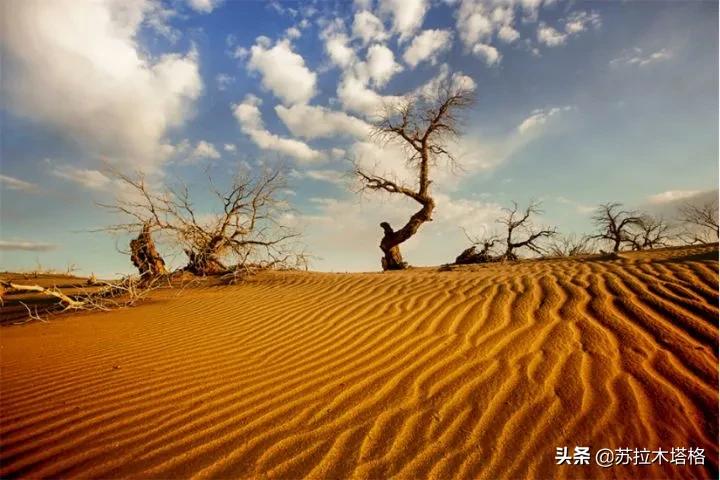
x,y
479,372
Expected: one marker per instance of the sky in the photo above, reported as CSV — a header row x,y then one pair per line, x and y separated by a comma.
x,y
577,104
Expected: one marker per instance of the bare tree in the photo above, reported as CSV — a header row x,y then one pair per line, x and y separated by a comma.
x,y
518,221
650,232
472,255
703,219
423,126
615,224
571,246
245,228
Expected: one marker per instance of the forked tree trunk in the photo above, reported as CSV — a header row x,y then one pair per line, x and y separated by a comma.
x,y
145,256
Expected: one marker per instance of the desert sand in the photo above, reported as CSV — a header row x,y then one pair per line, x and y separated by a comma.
x,y
475,372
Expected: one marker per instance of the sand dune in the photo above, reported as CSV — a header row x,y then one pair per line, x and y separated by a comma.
x,y
478,372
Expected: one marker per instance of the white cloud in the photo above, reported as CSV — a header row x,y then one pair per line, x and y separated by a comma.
x,y
329,176
12,183
575,23
407,15
223,81
355,96
427,46
204,6
637,57
283,71
27,246
539,118
547,35
380,65
310,122
338,50
508,34
293,33
116,102
490,54
578,22
229,147
458,81
88,178
473,22
203,150
248,115
672,196
368,28
241,53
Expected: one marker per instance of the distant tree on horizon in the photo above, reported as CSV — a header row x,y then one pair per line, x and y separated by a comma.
x,y
615,224
704,218
423,125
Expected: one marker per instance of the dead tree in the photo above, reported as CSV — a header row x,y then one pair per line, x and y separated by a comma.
x,y
145,256
423,127
650,232
245,227
615,224
703,219
471,255
518,222
571,246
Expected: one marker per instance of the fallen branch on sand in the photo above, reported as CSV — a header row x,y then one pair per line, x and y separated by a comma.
x,y
128,290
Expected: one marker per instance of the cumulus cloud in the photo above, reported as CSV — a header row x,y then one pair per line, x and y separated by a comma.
x,y
248,115
508,34
539,118
310,122
380,65
28,246
490,54
283,71
368,28
203,150
117,103
458,81
12,183
204,6
88,178
427,46
473,22
407,15
229,147
637,57
293,33
355,96
550,37
338,50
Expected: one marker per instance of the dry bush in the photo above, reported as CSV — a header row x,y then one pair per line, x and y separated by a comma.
x,y
244,228
571,246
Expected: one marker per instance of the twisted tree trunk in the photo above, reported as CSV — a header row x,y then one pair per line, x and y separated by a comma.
x,y
390,243
145,256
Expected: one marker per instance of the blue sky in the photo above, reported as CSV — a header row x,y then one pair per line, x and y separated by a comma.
x,y
578,103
